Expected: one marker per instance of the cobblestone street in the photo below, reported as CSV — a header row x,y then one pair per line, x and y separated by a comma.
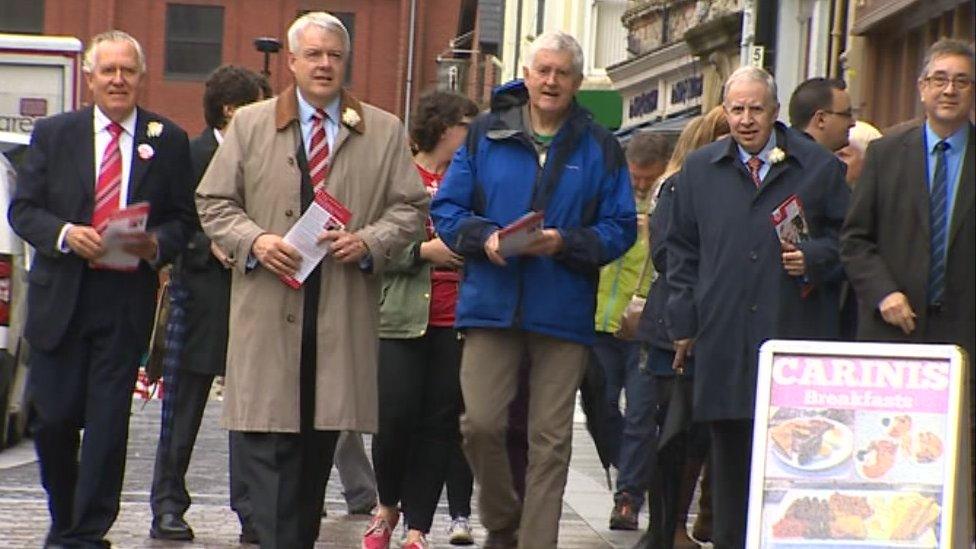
x,y
24,517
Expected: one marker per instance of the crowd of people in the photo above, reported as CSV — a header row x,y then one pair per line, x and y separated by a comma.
x,y
446,321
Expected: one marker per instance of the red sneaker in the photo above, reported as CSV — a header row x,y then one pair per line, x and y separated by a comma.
x,y
378,534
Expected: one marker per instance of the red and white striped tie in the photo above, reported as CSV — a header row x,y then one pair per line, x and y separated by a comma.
x,y
318,150
109,183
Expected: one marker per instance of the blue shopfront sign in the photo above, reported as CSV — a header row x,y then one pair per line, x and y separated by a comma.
x,y
686,89
643,104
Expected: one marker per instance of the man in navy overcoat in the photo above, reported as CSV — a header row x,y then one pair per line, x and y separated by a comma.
x,y
734,284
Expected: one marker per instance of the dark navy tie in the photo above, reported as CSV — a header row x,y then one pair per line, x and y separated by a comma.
x,y
938,228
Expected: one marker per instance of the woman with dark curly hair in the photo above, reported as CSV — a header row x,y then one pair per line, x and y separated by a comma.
x,y
419,389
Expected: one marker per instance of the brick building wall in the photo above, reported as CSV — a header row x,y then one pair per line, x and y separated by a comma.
x,y
379,58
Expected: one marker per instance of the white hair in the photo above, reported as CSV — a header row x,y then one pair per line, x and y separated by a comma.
x,y
89,60
559,41
862,133
323,20
748,73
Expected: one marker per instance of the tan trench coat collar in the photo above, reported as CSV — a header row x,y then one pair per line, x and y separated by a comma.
x,y
286,110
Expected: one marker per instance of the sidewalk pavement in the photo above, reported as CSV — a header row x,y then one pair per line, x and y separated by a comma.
x,y
24,517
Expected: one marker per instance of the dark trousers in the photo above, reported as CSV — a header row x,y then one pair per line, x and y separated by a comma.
x,y
183,404
460,483
731,459
286,473
420,396
632,434
86,383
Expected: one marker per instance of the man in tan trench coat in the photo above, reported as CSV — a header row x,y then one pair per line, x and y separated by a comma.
x,y
301,364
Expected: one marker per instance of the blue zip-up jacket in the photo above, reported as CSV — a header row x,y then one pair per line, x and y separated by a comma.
x,y
584,190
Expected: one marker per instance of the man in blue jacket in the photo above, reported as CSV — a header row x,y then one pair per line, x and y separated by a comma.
x,y
537,150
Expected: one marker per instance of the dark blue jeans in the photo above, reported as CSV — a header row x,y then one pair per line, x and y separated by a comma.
x,y
632,434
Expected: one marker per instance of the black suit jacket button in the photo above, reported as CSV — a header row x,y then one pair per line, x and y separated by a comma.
x,y
753,308
753,256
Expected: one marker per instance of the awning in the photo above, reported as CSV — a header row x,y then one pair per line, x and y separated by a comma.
x,y
672,125
606,105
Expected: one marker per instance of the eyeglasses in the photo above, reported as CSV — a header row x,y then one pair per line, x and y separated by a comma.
x,y
940,81
849,113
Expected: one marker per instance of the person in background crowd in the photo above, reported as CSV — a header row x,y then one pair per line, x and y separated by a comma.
x,y
690,457
420,351
355,474
537,150
301,364
631,435
88,324
200,287
908,242
821,109
852,155
768,288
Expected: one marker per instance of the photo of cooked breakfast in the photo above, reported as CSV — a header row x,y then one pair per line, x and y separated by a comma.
x,y
860,519
898,448
806,442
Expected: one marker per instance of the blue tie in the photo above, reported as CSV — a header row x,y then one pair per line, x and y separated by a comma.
x,y
937,218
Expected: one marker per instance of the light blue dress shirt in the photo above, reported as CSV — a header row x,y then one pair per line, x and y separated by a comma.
x,y
763,155
954,156
305,112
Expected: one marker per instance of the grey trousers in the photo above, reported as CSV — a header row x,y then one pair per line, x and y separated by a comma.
x,y
355,471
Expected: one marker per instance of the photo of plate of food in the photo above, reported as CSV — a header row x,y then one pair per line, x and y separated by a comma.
x,y
812,443
855,519
897,448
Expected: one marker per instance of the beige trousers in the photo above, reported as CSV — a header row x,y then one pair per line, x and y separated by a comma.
x,y
489,378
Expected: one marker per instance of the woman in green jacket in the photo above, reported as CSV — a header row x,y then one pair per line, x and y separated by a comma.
x,y
418,440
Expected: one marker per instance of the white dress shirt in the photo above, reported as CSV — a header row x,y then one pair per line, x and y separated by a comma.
x,y
102,139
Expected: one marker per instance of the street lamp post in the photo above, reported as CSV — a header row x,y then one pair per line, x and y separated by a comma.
x,y
267,45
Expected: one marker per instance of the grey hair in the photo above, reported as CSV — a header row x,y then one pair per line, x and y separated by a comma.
x,y
749,73
556,40
946,46
862,133
88,62
323,20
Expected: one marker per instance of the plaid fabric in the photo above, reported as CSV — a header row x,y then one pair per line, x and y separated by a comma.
x,y
175,340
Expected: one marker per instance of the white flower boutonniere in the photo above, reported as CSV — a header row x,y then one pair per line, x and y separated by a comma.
x,y
350,117
154,129
776,155
145,151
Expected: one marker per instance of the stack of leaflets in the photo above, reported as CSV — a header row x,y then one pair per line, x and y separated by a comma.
x,y
121,228
324,214
515,237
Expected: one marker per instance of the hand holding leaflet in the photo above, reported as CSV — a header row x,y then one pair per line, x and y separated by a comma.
x,y
792,229
514,238
122,227
789,222
325,212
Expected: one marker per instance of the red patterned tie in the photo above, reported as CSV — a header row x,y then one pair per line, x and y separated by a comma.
x,y
754,164
318,150
109,183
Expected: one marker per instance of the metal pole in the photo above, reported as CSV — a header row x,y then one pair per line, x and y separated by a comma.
x,y
408,93
748,30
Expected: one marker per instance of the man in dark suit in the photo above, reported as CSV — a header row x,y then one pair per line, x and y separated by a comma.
x,y
734,284
201,289
908,242
88,326
821,109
